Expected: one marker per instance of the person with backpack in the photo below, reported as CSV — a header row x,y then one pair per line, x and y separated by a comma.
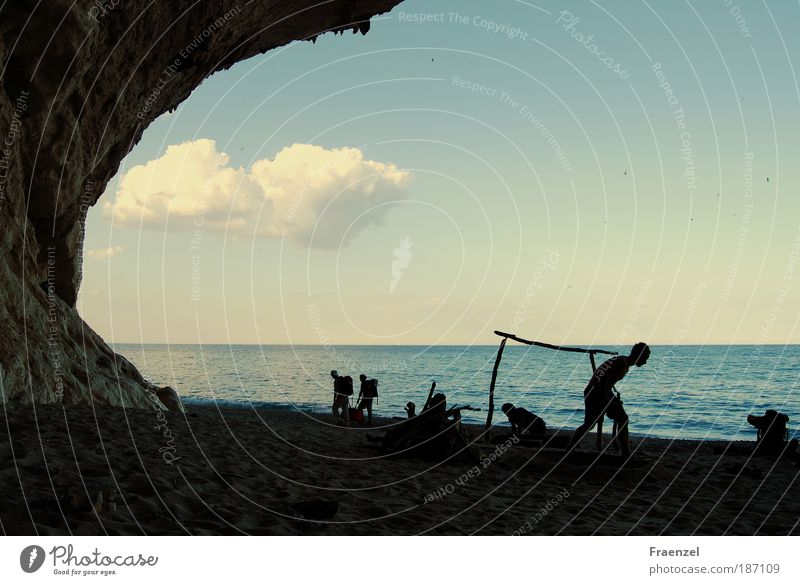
x,y
342,391
368,393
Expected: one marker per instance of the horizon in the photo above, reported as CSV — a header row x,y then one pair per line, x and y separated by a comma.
x,y
395,267
566,344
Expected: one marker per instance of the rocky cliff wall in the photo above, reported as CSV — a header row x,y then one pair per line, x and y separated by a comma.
x,y
81,80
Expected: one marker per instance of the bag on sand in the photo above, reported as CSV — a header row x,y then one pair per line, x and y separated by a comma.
x,y
343,385
356,415
772,433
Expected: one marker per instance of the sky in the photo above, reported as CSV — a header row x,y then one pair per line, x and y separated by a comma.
x,y
572,172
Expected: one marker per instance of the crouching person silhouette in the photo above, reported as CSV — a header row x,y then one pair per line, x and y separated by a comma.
x,y
523,421
600,400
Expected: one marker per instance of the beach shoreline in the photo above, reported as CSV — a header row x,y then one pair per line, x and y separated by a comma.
x,y
232,470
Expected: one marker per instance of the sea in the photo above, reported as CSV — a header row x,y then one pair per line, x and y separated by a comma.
x,y
683,392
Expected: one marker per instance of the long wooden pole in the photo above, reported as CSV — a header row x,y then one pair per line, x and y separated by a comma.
x,y
494,379
550,346
430,395
600,420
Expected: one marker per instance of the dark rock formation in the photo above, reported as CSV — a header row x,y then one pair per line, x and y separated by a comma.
x,y
81,80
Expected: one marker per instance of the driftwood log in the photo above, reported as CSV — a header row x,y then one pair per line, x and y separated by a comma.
x,y
494,380
432,435
430,395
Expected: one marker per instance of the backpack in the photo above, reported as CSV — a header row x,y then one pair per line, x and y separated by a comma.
x,y
371,389
343,385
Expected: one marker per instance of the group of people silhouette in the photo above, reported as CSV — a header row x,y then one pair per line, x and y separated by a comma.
x,y
600,400
343,390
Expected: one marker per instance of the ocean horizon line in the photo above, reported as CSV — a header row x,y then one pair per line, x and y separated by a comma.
x,y
335,345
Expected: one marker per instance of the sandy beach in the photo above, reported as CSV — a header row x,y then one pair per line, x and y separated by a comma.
x,y
237,471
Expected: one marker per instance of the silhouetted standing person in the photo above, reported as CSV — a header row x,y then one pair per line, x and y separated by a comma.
x,y
368,393
342,391
599,397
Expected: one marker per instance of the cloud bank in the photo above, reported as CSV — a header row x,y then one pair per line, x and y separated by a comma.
x,y
104,253
307,193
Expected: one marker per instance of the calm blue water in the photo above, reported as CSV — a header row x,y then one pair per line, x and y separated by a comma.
x,y
683,391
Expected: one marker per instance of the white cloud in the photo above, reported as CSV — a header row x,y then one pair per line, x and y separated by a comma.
x,y
104,253
305,190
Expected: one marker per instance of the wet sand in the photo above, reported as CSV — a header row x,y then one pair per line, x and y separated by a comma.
x,y
238,471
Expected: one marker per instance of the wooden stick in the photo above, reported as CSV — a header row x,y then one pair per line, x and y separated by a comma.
x,y
459,408
600,421
430,395
494,379
550,346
